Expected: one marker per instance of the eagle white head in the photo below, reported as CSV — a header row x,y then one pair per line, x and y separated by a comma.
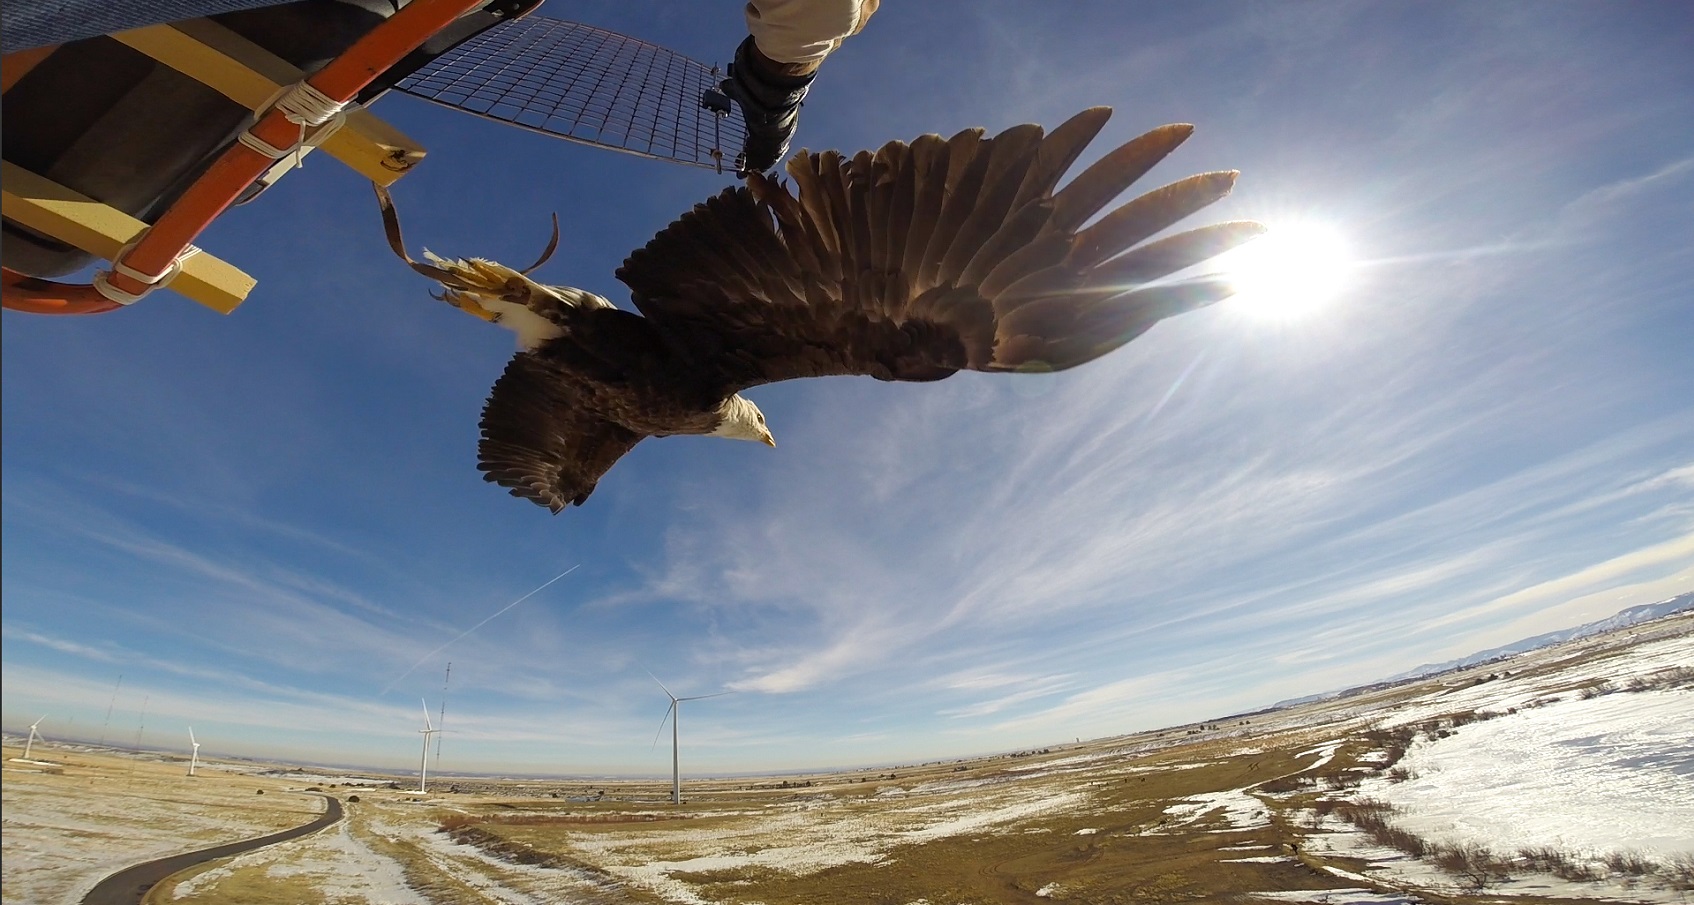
x,y
742,420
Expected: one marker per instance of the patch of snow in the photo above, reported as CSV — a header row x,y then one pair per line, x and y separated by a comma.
x,y
501,881
337,865
1325,754
1239,811
1347,896
1006,814
1613,773
1087,831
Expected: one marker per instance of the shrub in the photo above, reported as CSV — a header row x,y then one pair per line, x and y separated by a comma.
x,y
1542,858
1376,826
454,822
1576,871
1562,864
1670,677
1634,864
1372,805
1595,688
1283,785
1476,865
1679,871
1343,781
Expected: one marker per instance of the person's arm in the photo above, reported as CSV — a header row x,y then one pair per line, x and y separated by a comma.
x,y
774,67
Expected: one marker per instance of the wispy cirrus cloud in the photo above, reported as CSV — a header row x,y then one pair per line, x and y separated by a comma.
x,y
1486,438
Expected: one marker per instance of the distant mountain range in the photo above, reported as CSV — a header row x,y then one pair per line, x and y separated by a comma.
x,y
1635,615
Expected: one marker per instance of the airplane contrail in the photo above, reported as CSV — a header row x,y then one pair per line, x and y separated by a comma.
x,y
421,660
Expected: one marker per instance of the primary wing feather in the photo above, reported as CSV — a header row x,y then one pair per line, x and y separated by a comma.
x,y
920,259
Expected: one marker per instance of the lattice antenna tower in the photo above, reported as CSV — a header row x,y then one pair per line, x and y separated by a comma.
x,y
441,722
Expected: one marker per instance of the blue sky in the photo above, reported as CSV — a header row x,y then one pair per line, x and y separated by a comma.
x,y
262,521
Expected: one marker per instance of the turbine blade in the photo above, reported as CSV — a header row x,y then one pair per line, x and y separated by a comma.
x,y
428,726
649,672
702,697
662,721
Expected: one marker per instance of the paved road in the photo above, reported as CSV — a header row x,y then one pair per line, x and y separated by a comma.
x,y
128,886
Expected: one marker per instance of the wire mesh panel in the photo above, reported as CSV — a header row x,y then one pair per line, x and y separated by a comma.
x,y
588,85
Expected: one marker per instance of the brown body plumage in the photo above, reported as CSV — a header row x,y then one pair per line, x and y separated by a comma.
x,y
907,263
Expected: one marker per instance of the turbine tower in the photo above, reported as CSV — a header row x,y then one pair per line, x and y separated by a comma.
x,y
423,765
674,714
33,735
194,760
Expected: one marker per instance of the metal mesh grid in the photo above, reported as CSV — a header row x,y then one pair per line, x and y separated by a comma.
x,y
588,85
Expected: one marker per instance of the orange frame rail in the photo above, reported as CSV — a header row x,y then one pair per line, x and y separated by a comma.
x,y
237,168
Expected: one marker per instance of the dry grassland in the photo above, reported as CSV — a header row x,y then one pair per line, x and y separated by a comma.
x,y
78,815
1233,811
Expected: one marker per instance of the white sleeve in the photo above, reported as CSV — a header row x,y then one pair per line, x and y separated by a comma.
x,y
804,31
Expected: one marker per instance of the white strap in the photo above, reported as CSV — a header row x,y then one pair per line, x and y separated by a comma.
x,y
102,279
306,107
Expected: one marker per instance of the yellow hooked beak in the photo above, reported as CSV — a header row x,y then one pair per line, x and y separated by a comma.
x,y
768,440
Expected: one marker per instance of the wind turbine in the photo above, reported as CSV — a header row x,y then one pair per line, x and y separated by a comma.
x,y
33,735
674,714
193,761
423,765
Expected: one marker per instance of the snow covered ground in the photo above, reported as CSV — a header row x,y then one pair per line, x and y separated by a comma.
x,y
1583,766
335,863
1613,773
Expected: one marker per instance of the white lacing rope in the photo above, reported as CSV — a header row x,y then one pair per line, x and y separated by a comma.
x,y
302,103
306,107
102,279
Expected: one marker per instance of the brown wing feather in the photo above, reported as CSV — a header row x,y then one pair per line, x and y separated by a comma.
x,y
920,259
539,443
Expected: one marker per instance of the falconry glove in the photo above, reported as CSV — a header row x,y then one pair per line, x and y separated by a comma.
x,y
770,105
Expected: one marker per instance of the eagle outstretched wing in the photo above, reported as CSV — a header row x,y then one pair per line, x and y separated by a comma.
x,y
540,443
920,259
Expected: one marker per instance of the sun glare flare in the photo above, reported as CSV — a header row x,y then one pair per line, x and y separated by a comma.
x,y
1289,271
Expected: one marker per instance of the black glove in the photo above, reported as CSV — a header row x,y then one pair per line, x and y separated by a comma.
x,y
770,105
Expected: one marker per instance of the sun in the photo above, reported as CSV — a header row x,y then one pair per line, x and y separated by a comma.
x,y
1291,270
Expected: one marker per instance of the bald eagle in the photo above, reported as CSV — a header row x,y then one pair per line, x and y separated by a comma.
x,y
906,263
